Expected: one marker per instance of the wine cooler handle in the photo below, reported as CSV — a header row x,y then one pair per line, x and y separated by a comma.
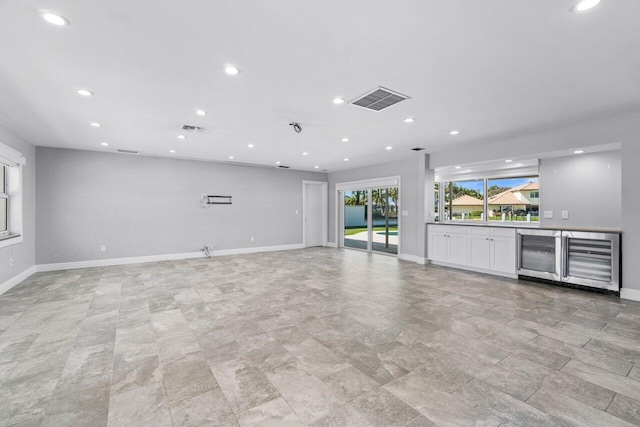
x,y
565,256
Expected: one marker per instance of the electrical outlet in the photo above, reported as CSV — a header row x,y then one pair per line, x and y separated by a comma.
x,y
103,248
565,214
252,239
11,262
548,214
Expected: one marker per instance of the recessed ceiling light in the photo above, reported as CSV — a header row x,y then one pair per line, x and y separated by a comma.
x,y
316,167
408,120
95,125
277,163
585,5
578,152
104,144
250,145
389,148
508,161
230,157
458,167
232,70
338,100
518,164
172,151
182,137
201,112
345,139
54,18
346,160
84,92
454,132
305,153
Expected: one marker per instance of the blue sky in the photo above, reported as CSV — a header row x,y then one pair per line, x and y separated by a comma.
x,y
511,182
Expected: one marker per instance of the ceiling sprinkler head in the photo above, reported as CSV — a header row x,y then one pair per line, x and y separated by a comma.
x,y
296,127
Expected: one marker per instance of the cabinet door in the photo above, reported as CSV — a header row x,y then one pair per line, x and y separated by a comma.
x,y
457,250
479,252
503,254
437,246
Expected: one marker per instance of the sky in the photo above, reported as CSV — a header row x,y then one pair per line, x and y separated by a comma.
x,y
478,185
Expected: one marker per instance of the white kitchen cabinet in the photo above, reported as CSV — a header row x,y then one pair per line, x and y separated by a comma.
x,y
478,248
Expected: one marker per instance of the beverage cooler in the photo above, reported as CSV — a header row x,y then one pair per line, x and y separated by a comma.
x,y
582,258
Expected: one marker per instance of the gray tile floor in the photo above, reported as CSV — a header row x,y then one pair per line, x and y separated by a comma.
x,y
320,337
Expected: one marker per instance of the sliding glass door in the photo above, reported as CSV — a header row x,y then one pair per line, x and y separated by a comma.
x,y
370,219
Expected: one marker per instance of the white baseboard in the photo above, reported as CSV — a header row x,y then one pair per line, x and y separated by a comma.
x,y
155,258
331,245
632,294
412,258
4,287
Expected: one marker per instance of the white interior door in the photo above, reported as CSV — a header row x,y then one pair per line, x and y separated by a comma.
x,y
314,213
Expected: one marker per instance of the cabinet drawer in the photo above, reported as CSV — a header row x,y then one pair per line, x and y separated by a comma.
x,y
479,231
503,232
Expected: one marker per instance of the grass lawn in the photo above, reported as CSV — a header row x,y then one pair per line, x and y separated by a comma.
x,y
352,231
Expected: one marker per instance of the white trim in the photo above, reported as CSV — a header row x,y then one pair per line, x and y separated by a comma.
x,y
331,245
632,294
325,210
474,269
369,184
154,258
412,258
15,280
11,241
12,156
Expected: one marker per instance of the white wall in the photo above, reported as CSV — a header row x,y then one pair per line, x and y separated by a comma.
x,y
412,199
23,253
142,206
588,186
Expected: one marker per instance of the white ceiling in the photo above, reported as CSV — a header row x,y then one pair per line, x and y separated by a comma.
x,y
486,68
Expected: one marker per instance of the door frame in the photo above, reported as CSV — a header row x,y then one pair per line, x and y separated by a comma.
x,y
366,184
325,210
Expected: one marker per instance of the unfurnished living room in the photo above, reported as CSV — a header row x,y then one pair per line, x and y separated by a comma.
x,y
343,213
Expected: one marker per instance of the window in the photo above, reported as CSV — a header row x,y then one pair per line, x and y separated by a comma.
x,y
4,201
11,163
498,196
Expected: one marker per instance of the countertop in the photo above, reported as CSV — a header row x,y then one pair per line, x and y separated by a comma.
x,y
529,225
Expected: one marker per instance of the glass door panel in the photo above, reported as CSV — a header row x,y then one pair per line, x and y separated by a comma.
x,y
356,224
385,220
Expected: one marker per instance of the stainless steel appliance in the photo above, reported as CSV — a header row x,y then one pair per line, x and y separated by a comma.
x,y
582,258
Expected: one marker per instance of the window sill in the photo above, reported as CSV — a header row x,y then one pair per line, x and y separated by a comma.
x,y
10,239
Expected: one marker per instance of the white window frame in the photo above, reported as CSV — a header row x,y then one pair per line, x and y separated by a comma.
x,y
14,162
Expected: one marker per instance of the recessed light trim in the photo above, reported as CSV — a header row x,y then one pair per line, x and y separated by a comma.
x,y
409,120
201,112
104,144
458,167
172,151
232,70
388,147
277,163
304,153
578,152
250,145
346,160
230,157
95,124
519,164
345,139
508,161
585,5
337,100
454,132
54,18
316,167
182,137
84,92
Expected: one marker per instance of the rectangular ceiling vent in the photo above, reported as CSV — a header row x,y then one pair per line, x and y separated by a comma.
x,y
418,149
192,128
127,151
379,99
283,167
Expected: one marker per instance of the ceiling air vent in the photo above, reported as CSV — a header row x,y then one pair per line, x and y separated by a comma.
x,y
283,167
379,99
127,151
418,149
192,128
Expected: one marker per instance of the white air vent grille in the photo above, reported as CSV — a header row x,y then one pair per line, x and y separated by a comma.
x,y
192,128
379,99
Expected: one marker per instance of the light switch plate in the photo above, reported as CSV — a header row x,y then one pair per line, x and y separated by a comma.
x,y
405,213
548,214
565,214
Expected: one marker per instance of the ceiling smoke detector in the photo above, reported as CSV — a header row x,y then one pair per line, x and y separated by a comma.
x,y
192,128
379,99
